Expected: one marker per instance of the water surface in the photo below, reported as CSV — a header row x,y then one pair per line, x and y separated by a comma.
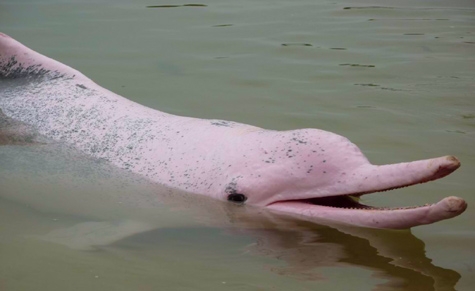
x,y
397,78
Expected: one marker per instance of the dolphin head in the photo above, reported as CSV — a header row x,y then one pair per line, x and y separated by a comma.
x,y
318,175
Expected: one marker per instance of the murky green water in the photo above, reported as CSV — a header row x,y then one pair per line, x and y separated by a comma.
x,y
396,77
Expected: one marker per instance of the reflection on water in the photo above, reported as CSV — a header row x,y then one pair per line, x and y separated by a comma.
x,y
401,267
396,78
397,257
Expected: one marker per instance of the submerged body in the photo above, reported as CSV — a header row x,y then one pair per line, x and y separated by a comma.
x,y
306,172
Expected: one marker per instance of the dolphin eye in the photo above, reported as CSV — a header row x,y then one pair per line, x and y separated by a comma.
x,y
237,197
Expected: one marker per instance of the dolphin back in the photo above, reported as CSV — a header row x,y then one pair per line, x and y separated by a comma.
x,y
62,105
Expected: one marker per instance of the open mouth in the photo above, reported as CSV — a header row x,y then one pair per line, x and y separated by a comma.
x,y
346,208
344,201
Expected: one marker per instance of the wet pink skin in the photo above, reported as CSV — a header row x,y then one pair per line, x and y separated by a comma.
x,y
278,170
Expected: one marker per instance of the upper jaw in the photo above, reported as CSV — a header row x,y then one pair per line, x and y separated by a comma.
x,y
369,179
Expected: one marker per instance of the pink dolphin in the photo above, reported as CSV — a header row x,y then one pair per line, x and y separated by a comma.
x,y
308,173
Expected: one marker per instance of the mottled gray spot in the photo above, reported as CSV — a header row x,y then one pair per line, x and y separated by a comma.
x,y
221,123
299,140
12,69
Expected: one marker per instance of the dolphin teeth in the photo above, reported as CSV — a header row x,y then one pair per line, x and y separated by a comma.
x,y
351,202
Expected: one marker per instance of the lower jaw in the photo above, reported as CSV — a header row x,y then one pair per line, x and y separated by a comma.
x,y
373,217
